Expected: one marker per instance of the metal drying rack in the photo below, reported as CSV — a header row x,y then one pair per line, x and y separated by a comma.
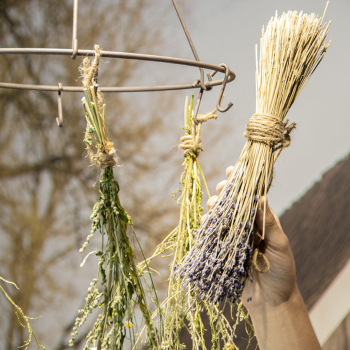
x,y
74,52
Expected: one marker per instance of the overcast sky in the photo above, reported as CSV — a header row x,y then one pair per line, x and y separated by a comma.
x,y
227,31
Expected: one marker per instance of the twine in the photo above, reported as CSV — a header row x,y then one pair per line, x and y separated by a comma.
x,y
192,143
102,158
106,154
266,128
258,254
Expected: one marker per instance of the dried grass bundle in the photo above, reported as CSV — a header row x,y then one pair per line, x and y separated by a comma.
x,y
180,308
291,48
122,290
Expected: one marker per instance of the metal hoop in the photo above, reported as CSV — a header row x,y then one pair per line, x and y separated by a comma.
x,y
113,54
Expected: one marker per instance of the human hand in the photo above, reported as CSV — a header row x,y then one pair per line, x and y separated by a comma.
x,y
278,285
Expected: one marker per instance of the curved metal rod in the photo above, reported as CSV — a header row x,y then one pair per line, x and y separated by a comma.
x,y
222,90
125,55
110,89
114,54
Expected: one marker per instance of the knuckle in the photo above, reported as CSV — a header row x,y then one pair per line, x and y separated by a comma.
x,y
220,186
284,242
211,201
203,219
229,170
270,220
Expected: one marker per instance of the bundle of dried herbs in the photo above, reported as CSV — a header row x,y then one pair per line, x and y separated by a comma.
x,y
23,320
121,288
181,309
217,267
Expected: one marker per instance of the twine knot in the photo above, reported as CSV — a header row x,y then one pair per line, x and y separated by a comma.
x,y
266,128
104,159
191,142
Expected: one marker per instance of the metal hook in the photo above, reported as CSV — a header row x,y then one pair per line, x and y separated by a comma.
x,y
75,30
59,120
222,90
199,99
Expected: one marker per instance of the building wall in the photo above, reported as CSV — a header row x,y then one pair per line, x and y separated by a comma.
x,y
340,339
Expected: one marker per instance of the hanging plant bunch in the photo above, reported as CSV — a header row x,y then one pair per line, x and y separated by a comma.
x,y
181,307
22,319
217,267
121,288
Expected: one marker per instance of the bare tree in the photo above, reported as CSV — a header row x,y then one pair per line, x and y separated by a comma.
x,y
46,186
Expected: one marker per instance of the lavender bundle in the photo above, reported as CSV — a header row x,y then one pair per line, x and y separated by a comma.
x,y
291,48
180,308
122,290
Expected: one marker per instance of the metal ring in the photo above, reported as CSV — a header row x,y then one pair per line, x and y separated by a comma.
x,y
123,55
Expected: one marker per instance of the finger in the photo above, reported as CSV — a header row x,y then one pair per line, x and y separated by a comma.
x,y
203,219
229,170
211,201
274,234
220,186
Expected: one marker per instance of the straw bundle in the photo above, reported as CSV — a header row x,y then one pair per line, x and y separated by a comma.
x,y
291,48
122,289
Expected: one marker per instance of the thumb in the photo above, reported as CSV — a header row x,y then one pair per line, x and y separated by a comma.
x,y
274,234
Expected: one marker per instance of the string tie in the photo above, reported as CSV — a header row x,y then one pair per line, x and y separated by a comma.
x,y
266,128
191,143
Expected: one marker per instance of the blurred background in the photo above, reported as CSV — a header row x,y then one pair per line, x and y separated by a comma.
x,y
47,187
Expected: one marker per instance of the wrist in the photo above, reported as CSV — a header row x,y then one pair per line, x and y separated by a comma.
x,y
284,325
275,303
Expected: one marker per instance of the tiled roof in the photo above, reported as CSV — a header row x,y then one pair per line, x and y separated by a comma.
x,y
318,227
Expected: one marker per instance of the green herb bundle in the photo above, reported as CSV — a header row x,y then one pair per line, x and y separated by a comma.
x,y
122,290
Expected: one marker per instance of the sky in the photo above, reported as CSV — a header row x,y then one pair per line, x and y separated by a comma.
x,y
227,31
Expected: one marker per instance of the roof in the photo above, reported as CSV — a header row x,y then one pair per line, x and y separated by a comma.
x,y
318,227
